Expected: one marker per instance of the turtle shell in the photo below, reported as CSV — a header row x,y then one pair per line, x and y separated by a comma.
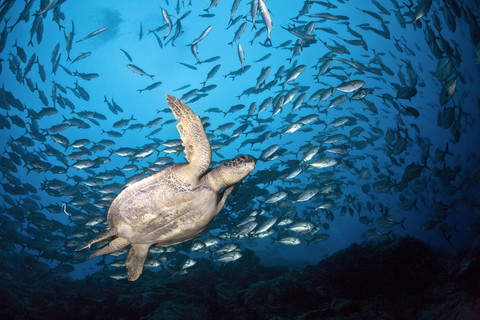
x,y
163,209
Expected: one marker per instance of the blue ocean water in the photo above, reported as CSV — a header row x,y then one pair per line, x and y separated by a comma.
x,y
400,122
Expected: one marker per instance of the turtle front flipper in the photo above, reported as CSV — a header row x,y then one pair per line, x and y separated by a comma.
x,y
197,147
135,260
114,245
225,195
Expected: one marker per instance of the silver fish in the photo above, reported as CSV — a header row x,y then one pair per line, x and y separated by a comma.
x,y
350,86
202,36
267,19
168,21
240,54
138,70
94,33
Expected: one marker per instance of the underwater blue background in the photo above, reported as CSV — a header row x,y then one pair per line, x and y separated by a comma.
x,y
444,213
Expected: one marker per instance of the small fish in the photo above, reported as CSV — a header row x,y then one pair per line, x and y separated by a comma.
x,y
69,40
138,70
168,22
288,241
265,57
350,86
188,65
94,33
267,19
253,11
240,54
387,222
229,257
323,163
44,10
151,87
127,55
213,3
82,56
238,33
86,76
294,74
234,8
183,87
276,197
202,36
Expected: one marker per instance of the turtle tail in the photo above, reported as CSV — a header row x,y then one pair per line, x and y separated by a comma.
x,y
110,233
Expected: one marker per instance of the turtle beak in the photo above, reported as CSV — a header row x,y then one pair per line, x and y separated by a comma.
x,y
249,161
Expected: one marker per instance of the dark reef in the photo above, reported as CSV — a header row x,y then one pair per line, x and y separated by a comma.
x,y
395,279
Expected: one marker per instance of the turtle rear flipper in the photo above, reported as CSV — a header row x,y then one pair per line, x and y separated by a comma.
x,y
135,260
114,245
110,233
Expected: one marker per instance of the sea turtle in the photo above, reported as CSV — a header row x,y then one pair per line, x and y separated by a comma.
x,y
175,204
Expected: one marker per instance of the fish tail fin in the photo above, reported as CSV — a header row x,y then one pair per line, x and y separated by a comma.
x,y
275,240
447,237
446,150
401,223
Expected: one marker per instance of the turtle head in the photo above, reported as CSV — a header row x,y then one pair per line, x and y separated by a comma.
x,y
231,172
237,169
